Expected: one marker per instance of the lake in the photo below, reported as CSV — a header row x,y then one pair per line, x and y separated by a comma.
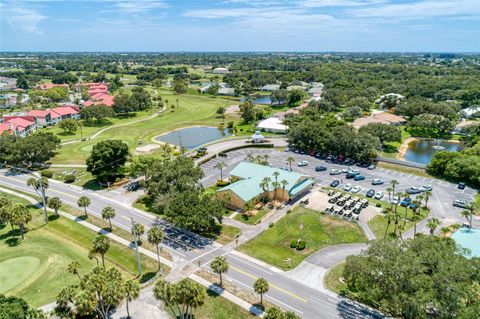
x,y
260,99
422,150
192,137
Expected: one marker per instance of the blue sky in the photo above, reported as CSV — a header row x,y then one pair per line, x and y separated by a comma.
x,y
240,25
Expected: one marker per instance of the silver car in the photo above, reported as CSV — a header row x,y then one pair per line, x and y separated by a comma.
x,y
378,195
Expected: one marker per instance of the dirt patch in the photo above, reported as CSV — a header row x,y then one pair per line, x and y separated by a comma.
x,y
145,149
404,147
318,201
233,110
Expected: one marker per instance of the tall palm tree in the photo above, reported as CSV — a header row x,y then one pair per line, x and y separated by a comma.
x,y
100,245
416,202
221,166
290,160
284,185
250,158
265,185
108,213
466,213
427,195
432,224
396,218
265,159
155,236
261,287
388,213
275,175
389,191
139,231
132,292
275,185
219,266
84,202
445,230
393,183
40,186
55,203
73,268
181,298
21,216
405,196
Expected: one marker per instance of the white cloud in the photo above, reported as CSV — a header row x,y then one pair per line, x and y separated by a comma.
x,y
338,3
136,7
24,19
421,9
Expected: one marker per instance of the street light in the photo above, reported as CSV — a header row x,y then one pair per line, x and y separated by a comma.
x,y
139,265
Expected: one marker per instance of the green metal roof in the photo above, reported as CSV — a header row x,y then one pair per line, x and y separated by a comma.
x,y
251,175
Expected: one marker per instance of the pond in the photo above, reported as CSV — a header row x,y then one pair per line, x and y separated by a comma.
x,y
259,99
422,150
192,137
468,238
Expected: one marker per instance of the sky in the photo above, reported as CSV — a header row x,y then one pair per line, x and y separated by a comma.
x,y
240,25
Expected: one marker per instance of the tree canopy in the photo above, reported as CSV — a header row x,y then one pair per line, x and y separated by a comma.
x,y
107,159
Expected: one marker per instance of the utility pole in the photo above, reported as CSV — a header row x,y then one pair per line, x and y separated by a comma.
x,y
139,265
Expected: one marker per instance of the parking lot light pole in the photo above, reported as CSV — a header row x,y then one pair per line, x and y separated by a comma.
x,y
139,265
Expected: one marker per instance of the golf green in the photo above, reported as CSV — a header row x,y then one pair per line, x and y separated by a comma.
x,y
15,270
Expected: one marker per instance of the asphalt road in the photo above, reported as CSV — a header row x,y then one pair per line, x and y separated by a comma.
x,y
285,292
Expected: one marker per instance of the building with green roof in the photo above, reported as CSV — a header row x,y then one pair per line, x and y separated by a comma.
x,y
252,185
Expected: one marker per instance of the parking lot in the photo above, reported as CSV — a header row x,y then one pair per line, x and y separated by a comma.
x,y
443,193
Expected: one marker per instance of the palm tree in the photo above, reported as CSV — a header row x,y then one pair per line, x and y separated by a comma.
x,y
132,292
250,158
73,268
284,185
393,183
100,245
21,216
416,202
427,195
388,213
432,224
108,213
40,185
466,213
155,236
181,297
390,192
219,266
275,185
221,166
275,175
55,203
290,160
139,231
445,230
396,218
261,287
84,202
265,185
405,196
265,159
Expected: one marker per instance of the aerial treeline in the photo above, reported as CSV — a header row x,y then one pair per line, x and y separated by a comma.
x,y
461,166
425,277
315,131
33,149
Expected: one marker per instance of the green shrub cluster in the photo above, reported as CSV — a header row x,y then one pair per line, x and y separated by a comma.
x,y
46,173
70,178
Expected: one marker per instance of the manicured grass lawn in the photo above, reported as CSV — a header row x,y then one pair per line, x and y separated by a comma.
x,y
194,109
83,178
251,220
217,307
39,263
391,148
319,231
379,223
332,278
228,234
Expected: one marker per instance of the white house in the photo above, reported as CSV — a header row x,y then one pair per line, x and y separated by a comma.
x,y
220,71
470,111
270,87
273,125
226,91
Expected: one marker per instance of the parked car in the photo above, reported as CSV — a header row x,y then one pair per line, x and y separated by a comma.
x,y
344,170
335,183
377,181
395,200
370,193
320,168
460,203
347,187
405,202
359,177
354,171
461,185
413,190
426,187
303,163
335,171
349,176
356,189
370,167
378,195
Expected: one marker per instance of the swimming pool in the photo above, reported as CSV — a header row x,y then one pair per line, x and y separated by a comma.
x,y
468,238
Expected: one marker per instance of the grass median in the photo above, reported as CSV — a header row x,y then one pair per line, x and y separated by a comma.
x,y
319,231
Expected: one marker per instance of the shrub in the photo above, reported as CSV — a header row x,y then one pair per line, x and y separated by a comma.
x,y
270,225
301,245
221,183
46,173
293,243
378,205
289,211
230,124
70,178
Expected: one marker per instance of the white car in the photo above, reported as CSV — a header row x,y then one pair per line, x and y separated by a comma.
x,y
303,163
335,171
347,187
378,195
395,200
356,189
427,187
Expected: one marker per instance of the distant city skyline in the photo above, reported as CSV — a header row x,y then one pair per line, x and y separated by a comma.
x,y
240,25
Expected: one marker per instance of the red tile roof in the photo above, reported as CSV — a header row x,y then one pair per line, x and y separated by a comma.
x,y
38,113
19,124
64,110
4,128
